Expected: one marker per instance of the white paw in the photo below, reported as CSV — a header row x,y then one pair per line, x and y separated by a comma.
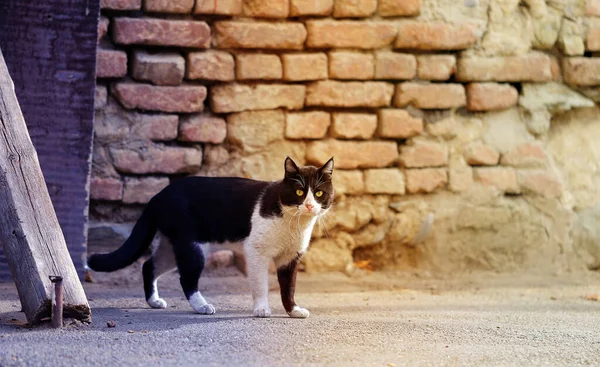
x,y
157,303
299,312
207,309
262,311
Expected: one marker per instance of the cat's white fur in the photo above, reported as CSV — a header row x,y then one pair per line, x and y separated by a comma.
x,y
280,239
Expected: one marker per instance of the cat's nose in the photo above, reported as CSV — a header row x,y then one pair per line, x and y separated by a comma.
x,y
308,206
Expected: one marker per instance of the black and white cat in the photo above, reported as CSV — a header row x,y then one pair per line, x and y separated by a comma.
x,y
273,220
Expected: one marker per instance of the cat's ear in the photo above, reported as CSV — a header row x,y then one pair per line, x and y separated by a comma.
x,y
327,167
291,168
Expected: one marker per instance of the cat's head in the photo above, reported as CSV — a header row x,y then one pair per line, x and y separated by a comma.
x,y
307,189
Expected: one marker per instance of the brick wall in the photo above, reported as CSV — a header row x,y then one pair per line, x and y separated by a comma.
x,y
418,100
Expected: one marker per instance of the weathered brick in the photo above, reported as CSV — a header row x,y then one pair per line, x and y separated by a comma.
x,y
502,178
348,125
141,190
430,95
403,8
234,34
114,123
436,67
479,154
266,8
354,8
425,180
202,128
531,67
183,98
215,155
351,65
111,63
584,71
556,69
161,32
307,124
102,27
239,97
254,130
258,66
540,182
384,181
300,67
491,96
395,65
100,97
121,4
160,69
349,34
310,7
592,41
211,65
398,124
106,189
460,178
592,8
423,154
525,155
221,7
435,36
349,94
156,159
353,154
348,182
169,6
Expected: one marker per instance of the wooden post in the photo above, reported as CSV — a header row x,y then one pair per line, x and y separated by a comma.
x,y
32,239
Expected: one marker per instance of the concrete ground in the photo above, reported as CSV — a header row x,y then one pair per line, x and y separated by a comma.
x,y
373,320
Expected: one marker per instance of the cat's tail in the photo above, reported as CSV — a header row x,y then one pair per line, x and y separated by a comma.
x,y
140,239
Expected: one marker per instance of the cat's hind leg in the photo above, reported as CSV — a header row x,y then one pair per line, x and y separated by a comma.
x,y
190,262
161,262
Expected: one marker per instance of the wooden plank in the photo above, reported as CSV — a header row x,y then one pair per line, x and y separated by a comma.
x,y
50,49
29,231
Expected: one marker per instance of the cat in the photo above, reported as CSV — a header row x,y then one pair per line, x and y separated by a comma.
x,y
272,220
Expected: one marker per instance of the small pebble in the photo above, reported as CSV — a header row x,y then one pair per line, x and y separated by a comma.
x,y
111,324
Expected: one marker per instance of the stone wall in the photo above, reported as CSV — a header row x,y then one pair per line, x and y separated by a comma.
x,y
463,131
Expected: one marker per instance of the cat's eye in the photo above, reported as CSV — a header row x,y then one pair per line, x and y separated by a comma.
x,y
319,194
299,192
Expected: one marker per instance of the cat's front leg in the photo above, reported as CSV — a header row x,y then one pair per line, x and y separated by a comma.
x,y
287,284
258,276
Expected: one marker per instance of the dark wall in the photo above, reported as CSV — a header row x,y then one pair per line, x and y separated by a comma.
x,y
50,50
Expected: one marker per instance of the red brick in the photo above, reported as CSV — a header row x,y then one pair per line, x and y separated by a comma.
x,y
394,65
211,65
100,97
592,41
398,124
141,159
423,154
425,180
239,97
349,34
102,27
258,66
525,155
531,67
121,4
351,65
160,69
106,189
304,66
352,154
115,124
234,34
354,8
141,190
348,125
307,124
310,7
349,94
188,98
504,179
491,96
202,128
479,154
435,36
430,95
540,182
402,8
584,71
161,32
436,67
221,7
111,63
169,6
266,8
